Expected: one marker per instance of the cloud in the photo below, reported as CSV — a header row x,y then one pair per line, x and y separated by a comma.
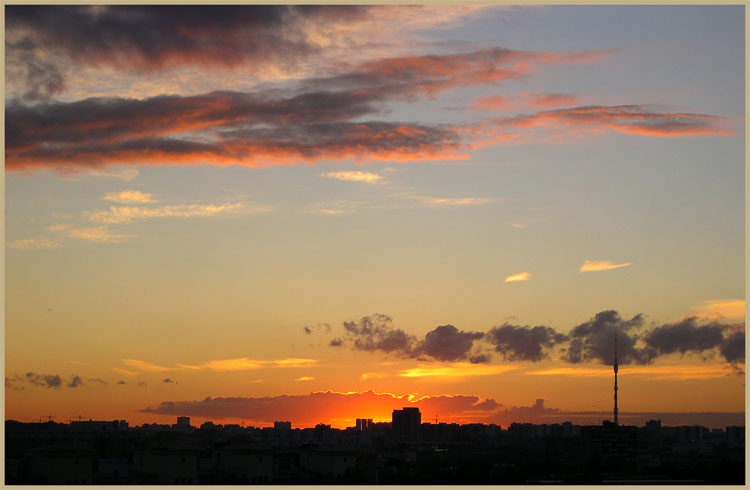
x,y
601,265
595,340
338,409
47,380
128,214
305,378
75,381
142,383
720,308
447,343
685,336
144,365
14,383
635,119
517,343
33,244
353,176
551,100
264,127
456,370
121,382
124,197
590,341
99,234
492,103
222,365
168,380
320,327
521,276
375,332
262,42
98,381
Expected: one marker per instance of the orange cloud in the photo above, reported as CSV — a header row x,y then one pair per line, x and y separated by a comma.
x,y
456,370
129,196
33,244
492,103
720,308
551,100
521,276
601,265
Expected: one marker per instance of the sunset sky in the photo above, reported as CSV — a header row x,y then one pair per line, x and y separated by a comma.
x,y
322,213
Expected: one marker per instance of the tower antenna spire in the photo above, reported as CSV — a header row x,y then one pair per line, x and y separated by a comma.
x,y
615,378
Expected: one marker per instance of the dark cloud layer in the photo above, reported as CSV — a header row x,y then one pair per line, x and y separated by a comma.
x,y
328,407
591,341
151,37
525,343
47,380
377,333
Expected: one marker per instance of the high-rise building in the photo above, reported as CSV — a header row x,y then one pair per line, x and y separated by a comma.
x,y
363,424
406,422
183,421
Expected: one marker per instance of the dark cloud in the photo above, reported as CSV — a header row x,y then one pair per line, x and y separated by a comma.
x,y
733,347
47,380
376,332
324,406
161,36
595,340
480,358
167,380
631,119
14,383
336,343
121,382
253,130
75,381
97,380
591,341
517,343
320,327
447,343
685,336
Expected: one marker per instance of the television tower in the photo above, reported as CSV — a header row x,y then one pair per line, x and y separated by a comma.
x,y
615,378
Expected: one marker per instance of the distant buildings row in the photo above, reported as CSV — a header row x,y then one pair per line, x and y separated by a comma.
x,y
404,451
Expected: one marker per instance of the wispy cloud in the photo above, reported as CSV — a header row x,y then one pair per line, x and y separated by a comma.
x,y
333,208
366,376
127,214
236,364
305,378
144,365
100,234
551,100
720,308
521,276
517,225
492,103
353,176
422,200
33,244
129,196
456,370
601,265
